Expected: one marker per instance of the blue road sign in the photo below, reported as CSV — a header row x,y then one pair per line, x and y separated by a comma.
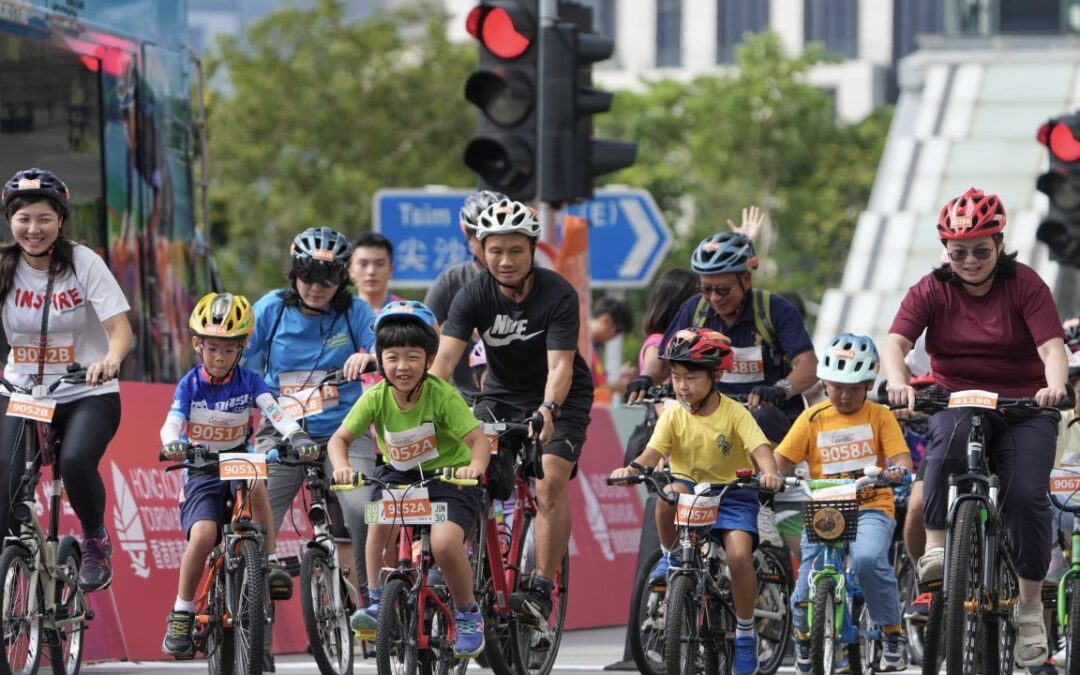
x,y
628,237
423,225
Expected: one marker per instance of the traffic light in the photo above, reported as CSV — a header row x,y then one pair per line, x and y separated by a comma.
x,y
1060,229
570,157
503,153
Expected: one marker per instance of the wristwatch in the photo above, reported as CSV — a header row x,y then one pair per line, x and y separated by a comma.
x,y
553,407
789,391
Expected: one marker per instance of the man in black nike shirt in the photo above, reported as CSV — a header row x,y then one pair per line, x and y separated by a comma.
x,y
527,317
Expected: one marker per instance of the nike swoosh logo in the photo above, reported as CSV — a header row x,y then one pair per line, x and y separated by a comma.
x,y
503,341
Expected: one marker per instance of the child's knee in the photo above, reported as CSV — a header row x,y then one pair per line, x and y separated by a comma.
x,y
203,535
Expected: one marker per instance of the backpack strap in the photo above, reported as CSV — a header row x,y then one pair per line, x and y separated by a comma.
x,y
761,305
699,312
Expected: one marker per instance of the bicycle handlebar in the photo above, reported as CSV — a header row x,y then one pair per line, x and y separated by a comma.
x,y
1064,504
535,421
445,476
935,399
75,374
649,477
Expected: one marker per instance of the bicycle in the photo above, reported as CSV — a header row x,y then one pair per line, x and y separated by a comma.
x,y
837,613
43,605
698,613
980,584
1068,588
232,608
327,597
415,623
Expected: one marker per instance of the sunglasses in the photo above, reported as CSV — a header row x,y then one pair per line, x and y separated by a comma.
x,y
317,272
718,291
961,254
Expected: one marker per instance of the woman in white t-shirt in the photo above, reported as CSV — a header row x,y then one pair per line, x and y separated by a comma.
x,y
53,288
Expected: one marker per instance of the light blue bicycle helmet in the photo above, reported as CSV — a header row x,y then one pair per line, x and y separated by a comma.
x,y
849,359
724,253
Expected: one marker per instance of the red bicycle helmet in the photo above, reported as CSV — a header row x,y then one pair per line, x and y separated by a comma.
x,y
972,214
700,346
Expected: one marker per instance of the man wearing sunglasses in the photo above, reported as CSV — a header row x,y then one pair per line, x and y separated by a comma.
x,y
774,356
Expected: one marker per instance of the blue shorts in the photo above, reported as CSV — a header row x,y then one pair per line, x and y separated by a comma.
x,y
738,511
206,498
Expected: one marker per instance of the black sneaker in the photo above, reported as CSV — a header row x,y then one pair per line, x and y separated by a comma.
x,y
268,662
178,640
534,602
279,581
96,572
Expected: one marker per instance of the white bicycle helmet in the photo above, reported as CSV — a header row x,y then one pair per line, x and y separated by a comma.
x,y
849,359
508,217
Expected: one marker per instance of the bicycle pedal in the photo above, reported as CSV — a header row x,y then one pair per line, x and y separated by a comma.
x,y
281,593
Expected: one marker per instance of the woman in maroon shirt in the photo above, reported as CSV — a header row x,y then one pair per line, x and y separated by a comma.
x,y
990,324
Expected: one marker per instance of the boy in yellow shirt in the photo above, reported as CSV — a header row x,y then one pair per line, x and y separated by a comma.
x,y
706,440
840,437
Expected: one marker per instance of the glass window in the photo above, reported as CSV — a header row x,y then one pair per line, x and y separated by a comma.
x,y
912,18
736,18
1030,16
833,23
50,107
668,33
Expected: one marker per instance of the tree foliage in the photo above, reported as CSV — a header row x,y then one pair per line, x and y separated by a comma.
x,y
759,134
317,112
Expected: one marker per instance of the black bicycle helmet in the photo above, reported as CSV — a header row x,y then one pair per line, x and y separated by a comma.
x,y
474,206
724,253
38,183
321,254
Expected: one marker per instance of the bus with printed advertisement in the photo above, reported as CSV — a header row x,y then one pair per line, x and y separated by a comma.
x,y
107,94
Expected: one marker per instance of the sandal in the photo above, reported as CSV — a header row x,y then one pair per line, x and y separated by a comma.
x,y
1031,648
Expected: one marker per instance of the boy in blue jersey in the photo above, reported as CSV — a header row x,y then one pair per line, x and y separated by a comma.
x,y
423,426
212,407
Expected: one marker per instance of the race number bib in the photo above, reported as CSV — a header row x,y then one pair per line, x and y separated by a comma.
x,y
59,353
242,466
217,430
39,409
410,508
973,398
302,403
492,431
749,366
296,382
409,449
696,510
846,450
1065,482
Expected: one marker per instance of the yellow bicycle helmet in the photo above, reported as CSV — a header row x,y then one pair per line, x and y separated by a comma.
x,y
222,315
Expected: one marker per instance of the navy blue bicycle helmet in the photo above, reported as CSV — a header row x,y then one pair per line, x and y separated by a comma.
x,y
38,183
724,253
321,254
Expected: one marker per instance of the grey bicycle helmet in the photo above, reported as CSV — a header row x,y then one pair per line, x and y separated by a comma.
x,y
474,206
724,253
319,253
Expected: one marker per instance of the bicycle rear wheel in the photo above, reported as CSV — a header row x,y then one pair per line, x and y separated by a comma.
x,y
22,630
65,654
646,629
1072,628
534,651
217,640
963,628
773,609
249,603
326,624
395,640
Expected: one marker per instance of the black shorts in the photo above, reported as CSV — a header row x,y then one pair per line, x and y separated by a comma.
x,y
462,503
570,429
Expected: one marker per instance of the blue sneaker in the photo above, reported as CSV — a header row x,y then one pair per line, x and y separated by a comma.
x,y
469,630
746,658
660,571
367,618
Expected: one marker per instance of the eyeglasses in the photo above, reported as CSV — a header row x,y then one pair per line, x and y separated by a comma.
x,y
718,291
961,254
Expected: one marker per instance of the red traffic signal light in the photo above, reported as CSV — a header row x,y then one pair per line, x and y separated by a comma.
x,y
503,89
1060,228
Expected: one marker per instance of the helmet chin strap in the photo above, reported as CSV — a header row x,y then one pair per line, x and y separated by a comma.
x,y
692,408
518,288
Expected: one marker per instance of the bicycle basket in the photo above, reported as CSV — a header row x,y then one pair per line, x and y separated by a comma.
x,y
831,521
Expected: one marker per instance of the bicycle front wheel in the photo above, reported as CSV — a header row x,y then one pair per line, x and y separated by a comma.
x,y
646,629
773,609
534,651
686,652
326,622
22,630
1072,628
963,627
249,604
824,635
65,653
395,640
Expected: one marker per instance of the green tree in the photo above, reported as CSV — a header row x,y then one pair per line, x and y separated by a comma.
x,y
758,134
314,113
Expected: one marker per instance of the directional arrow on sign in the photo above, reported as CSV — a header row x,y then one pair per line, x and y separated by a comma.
x,y
647,238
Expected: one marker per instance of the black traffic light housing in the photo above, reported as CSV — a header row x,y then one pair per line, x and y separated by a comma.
x,y
503,88
1060,229
570,158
